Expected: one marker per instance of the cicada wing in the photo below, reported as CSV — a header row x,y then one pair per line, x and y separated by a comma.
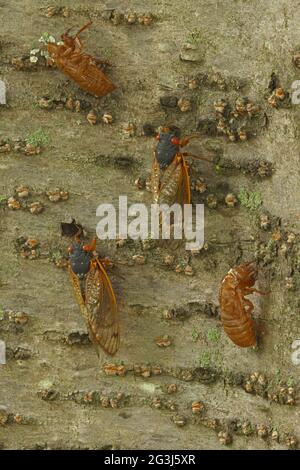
x,y
170,185
170,182
185,196
76,287
155,179
101,309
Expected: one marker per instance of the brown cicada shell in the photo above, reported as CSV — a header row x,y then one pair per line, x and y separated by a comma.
x,y
80,67
98,305
236,310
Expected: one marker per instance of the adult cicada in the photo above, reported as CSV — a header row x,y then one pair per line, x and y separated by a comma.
x,y
80,67
170,181
93,291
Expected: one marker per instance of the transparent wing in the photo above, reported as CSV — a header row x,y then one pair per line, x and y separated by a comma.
x,y
170,182
155,179
101,309
76,287
184,195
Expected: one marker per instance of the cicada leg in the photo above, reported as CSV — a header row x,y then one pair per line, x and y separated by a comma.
x,y
107,263
249,304
252,290
87,25
101,61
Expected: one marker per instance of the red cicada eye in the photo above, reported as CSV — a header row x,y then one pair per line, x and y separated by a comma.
x,y
175,141
157,137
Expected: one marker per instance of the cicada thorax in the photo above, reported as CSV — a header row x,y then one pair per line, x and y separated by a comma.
x,y
235,309
96,298
79,259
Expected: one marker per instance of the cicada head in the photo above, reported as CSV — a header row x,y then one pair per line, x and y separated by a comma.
x,y
53,50
67,39
248,273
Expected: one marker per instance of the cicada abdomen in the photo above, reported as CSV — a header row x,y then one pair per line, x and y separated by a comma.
x,y
236,310
80,67
95,296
